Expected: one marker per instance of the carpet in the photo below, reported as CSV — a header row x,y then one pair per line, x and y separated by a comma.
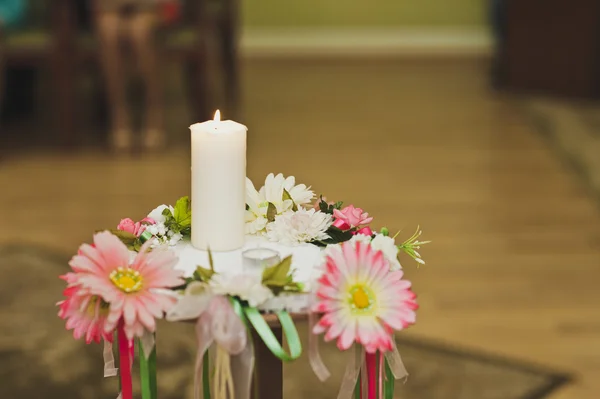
x,y
573,129
39,359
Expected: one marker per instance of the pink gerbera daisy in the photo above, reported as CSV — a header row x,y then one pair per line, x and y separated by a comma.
x,y
85,313
362,300
131,290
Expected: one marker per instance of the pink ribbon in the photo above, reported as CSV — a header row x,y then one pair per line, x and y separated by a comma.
x,y
125,362
371,361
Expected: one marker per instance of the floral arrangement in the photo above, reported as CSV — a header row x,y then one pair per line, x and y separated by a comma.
x,y
126,279
284,212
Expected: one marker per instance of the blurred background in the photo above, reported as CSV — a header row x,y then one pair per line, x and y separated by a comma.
x,y
477,119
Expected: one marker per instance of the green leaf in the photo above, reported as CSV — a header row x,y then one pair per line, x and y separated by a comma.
x,y
203,274
271,212
336,236
287,196
124,236
323,205
328,208
137,246
210,261
277,276
182,212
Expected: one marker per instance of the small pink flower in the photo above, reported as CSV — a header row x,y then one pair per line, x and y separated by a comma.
x,y
361,299
132,291
135,228
350,216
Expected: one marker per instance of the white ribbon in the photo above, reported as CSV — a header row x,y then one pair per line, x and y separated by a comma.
x,y
109,360
314,356
218,323
395,362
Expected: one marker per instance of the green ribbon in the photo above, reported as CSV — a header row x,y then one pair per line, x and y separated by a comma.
x,y
148,373
145,236
266,334
357,388
388,385
206,376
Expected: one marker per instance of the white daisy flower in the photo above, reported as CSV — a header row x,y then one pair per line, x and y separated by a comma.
x,y
273,192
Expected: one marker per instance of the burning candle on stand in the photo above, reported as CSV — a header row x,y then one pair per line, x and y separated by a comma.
x,y
218,184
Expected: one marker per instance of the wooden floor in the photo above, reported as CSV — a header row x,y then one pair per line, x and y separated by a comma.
x,y
515,260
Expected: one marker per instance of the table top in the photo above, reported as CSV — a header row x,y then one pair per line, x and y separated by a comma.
x,y
305,258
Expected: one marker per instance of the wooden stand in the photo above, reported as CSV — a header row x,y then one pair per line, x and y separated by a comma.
x,y
269,369
268,383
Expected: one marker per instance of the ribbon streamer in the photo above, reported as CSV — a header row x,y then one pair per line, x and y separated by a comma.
x,y
125,362
371,376
109,360
381,374
351,384
389,382
219,321
147,355
395,362
314,355
371,364
266,334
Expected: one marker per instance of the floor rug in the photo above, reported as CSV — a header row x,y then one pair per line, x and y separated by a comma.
x,y
573,129
39,359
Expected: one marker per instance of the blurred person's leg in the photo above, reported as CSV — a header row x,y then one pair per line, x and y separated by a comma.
x,y
109,25
498,22
142,26
2,70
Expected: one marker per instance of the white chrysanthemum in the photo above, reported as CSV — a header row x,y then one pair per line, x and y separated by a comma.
x,y
247,287
298,227
273,192
157,213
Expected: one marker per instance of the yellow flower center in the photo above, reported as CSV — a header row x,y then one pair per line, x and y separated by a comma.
x,y
361,298
93,307
126,279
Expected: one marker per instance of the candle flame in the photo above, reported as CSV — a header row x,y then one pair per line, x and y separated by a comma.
x,y
217,117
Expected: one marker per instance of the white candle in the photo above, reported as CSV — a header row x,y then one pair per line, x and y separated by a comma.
x,y
260,257
218,184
